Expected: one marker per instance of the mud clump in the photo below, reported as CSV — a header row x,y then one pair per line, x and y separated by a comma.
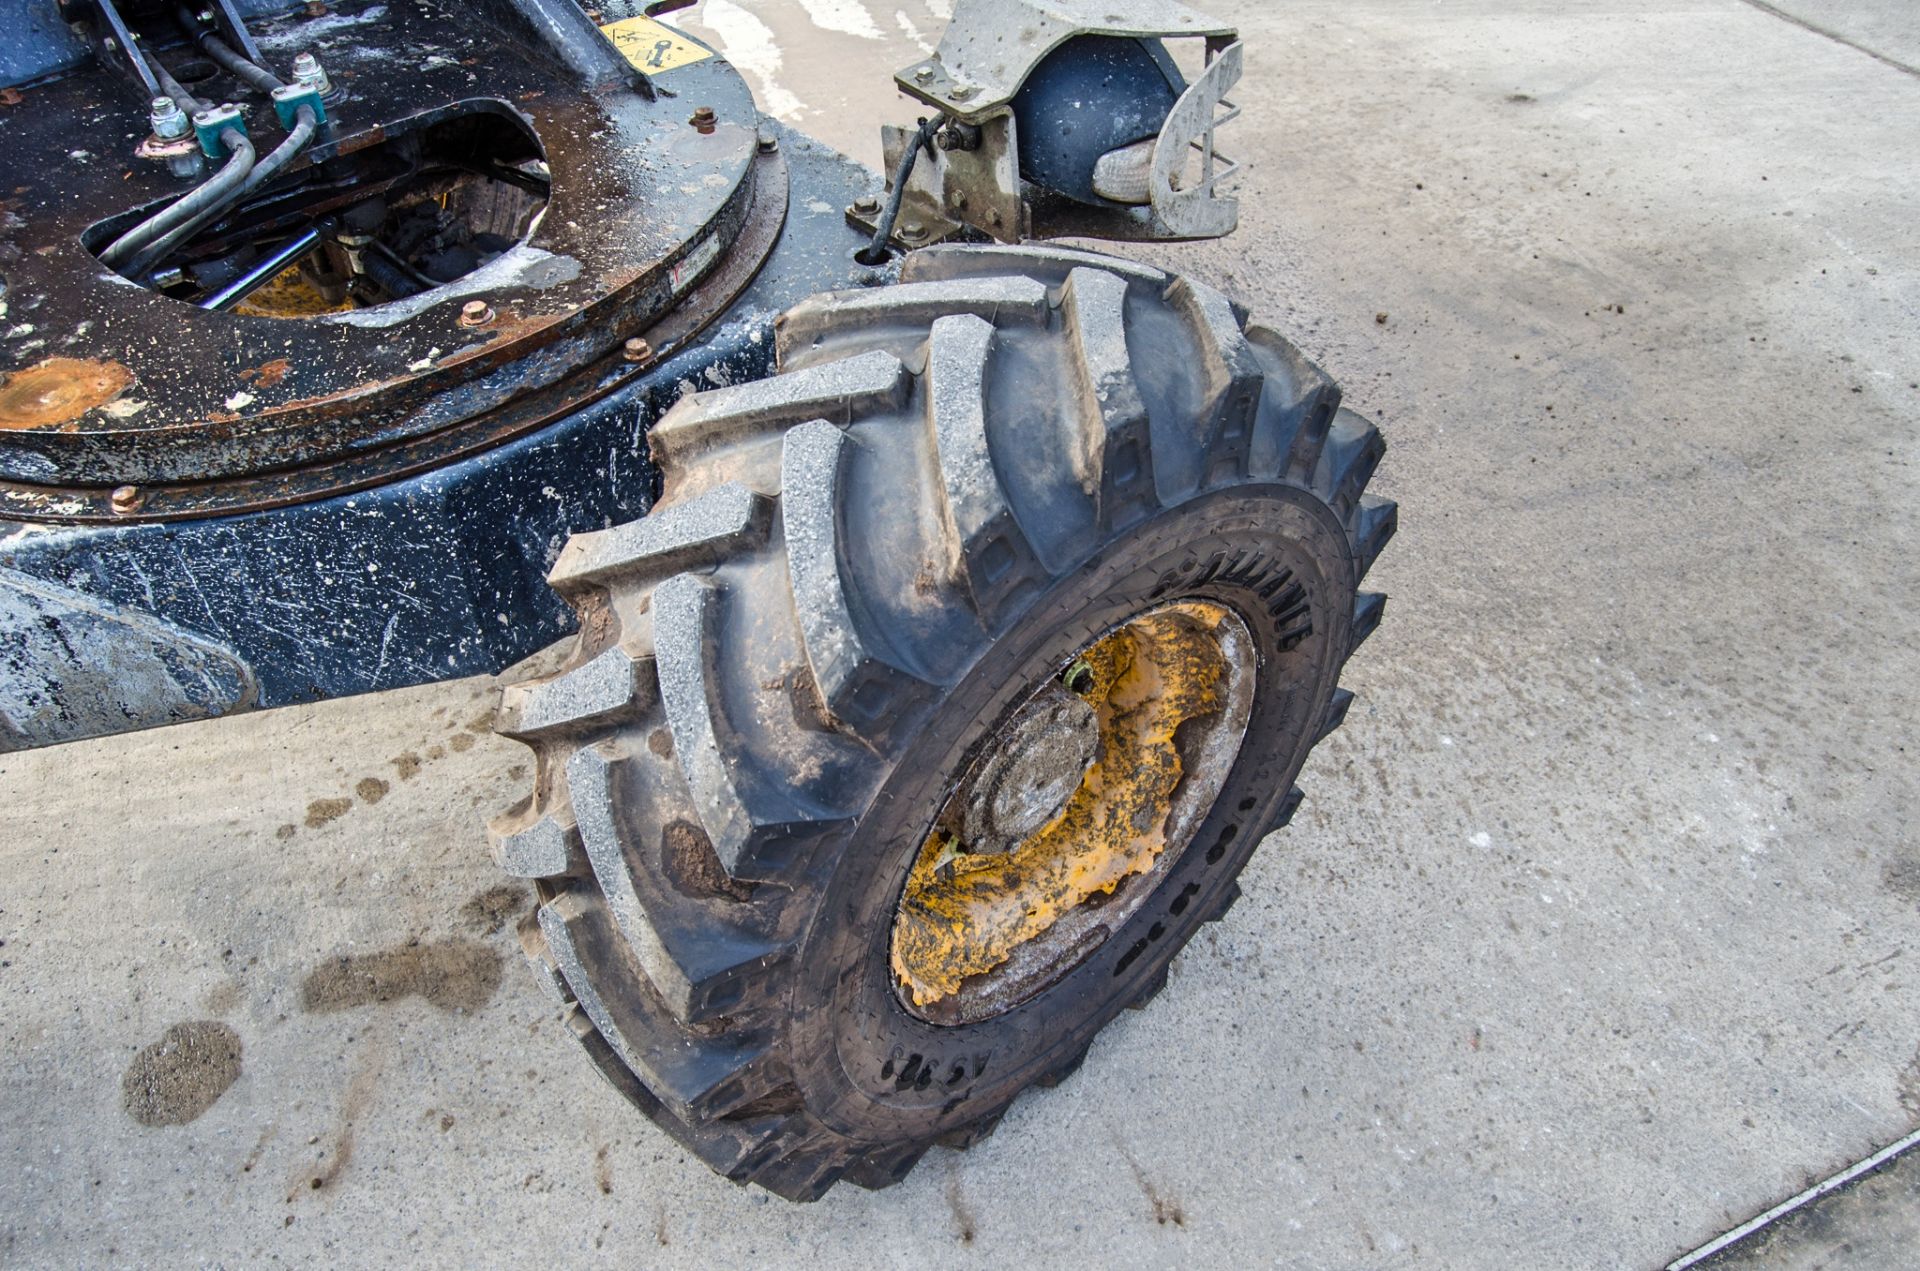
x,y
321,811
183,1074
454,975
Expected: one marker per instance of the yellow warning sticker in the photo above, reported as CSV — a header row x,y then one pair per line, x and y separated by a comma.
x,y
652,47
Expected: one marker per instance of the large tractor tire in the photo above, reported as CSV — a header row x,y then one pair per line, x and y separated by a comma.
x,y
952,681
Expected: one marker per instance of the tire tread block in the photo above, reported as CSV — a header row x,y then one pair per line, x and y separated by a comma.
x,y
1232,377
984,544
693,1077
998,299
699,970
861,689
1114,457
610,688
699,532
839,391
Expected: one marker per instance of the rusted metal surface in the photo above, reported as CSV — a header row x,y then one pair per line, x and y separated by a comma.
x,y
641,206
58,391
426,562
586,384
1039,850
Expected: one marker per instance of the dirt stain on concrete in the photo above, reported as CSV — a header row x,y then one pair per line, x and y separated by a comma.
x,y
339,1153
371,790
603,1170
454,975
493,908
964,1224
1166,1209
223,997
1901,876
183,1074
1910,1086
321,811
407,765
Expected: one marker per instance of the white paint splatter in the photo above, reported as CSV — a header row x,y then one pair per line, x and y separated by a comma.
x,y
912,32
849,17
748,43
1481,839
1446,741
941,9
240,399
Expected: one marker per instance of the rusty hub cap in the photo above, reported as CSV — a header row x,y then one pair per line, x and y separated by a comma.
x,y
1076,807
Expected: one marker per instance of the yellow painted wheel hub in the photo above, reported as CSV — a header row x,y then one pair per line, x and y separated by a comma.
x,y
1062,826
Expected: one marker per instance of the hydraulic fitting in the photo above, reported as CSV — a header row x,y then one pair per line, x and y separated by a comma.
x,y
289,98
214,120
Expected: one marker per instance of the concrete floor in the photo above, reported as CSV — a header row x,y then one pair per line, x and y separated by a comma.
x,y
1600,928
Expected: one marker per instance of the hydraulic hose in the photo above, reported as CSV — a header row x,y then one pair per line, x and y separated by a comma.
x,y
306,123
218,50
173,88
876,252
215,192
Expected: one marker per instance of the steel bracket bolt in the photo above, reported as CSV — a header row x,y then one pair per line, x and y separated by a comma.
x,y
308,73
636,350
913,229
170,123
769,144
866,205
126,499
703,119
475,313
960,92
923,74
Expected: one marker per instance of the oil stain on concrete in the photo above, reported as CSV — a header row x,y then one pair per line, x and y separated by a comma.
x,y
183,1074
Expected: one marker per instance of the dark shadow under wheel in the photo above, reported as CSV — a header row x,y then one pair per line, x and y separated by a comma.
x,y
946,691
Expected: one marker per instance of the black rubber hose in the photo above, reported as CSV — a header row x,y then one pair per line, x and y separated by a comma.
x,y
876,252
182,96
215,192
220,51
306,123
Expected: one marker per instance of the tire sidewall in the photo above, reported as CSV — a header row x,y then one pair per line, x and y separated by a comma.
x,y
877,1073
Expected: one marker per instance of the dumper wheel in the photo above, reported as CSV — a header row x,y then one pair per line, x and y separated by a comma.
x,y
952,681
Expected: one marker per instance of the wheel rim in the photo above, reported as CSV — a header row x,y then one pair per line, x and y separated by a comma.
x,y
1079,802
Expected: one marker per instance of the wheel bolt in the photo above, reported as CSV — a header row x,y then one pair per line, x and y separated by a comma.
x,y
703,119
636,350
475,313
126,499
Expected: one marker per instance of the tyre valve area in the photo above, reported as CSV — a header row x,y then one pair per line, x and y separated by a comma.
x,y
1080,794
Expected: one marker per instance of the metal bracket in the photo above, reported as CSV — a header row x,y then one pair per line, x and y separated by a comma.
x,y
991,46
973,78
113,41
